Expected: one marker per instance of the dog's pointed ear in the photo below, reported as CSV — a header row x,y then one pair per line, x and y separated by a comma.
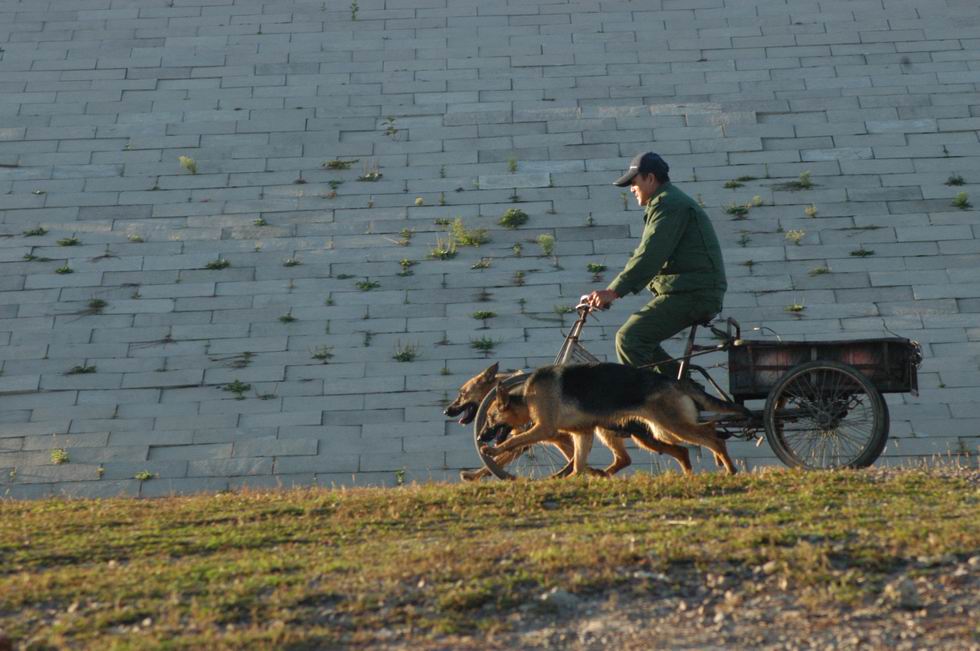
x,y
503,396
491,372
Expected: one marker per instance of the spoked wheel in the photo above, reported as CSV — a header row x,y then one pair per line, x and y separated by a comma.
x,y
534,462
826,415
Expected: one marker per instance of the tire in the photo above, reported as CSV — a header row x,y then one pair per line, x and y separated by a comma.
x,y
825,415
536,462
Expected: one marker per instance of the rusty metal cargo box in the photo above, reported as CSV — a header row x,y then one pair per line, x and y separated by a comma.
x,y
754,367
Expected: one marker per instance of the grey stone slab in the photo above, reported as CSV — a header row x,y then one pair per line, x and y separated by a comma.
x,y
19,383
187,377
332,463
68,472
273,447
230,467
67,441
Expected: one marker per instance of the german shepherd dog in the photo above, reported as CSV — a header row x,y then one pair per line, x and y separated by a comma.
x,y
578,399
467,402
474,390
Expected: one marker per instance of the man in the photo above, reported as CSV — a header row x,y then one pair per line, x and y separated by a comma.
x,y
678,258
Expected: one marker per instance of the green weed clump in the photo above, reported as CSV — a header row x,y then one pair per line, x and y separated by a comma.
x,y
467,237
513,218
803,182
322,353
444,249
795,236
188,164
739,211
483,344
371,173
547,243
337,164
406,353
238,388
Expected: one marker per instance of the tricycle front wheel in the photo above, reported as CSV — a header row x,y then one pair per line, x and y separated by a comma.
x,y
825,415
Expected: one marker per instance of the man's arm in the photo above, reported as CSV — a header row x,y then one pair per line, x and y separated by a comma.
x,y
660,237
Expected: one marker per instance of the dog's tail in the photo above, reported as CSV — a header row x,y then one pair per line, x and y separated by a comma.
x,y
708,402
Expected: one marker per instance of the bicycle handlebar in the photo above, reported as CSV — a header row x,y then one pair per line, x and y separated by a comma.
x,y
583,304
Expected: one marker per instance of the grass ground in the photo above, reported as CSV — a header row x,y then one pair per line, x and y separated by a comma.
x,y
417,565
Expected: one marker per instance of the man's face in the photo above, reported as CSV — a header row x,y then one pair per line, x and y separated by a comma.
x,y
643,187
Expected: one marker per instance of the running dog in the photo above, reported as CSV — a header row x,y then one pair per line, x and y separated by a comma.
x,y
467,402
474,390
578,399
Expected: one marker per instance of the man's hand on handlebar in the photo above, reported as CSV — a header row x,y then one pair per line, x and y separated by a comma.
x,y
600,299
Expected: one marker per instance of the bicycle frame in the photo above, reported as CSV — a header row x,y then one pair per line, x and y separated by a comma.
x,y
572,352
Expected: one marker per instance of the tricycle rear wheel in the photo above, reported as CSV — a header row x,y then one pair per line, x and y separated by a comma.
x,y
825,415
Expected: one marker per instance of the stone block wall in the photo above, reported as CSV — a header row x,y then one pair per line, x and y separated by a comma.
x,y
138,292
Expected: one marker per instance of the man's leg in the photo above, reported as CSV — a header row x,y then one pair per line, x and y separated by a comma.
x,y
638,341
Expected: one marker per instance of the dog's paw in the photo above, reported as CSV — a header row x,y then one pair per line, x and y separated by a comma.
x,y
470,475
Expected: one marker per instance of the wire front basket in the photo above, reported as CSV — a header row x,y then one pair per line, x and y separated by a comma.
x,y
572,352
575,353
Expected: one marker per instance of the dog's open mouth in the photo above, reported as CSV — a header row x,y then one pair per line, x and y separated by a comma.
x,y
469,413
467,410
495,433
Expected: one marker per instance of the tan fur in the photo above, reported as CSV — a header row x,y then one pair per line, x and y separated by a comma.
x,y
670,413
473,392
476,389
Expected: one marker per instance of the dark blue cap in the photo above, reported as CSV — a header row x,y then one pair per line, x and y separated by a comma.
x,y
644,164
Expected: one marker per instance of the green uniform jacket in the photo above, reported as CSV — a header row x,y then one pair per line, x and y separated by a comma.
x,y
678,250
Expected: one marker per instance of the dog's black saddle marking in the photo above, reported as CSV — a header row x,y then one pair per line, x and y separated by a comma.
x,y
606,387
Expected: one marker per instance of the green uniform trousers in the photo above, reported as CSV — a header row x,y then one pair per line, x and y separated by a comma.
x,y
638,341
